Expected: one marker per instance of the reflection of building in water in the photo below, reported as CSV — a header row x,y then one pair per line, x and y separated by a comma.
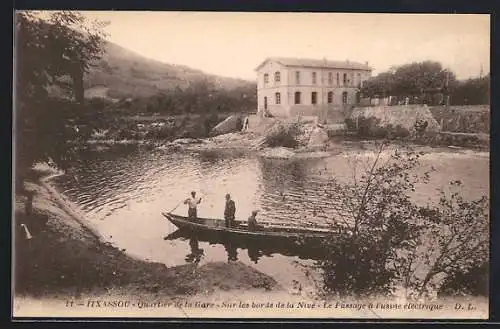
x,y
296,191
284,184
282,175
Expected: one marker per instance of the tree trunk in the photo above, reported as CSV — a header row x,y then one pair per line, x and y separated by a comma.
x,y
28,204
77,76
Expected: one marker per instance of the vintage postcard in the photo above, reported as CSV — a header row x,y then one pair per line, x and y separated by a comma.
x,y
251,165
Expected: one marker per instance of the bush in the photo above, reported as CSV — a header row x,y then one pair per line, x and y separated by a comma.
x,y
401,132
350,124
473,282
164,132
283,135
389,240
370,128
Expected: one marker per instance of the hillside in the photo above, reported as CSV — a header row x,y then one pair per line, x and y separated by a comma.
x,y
122,73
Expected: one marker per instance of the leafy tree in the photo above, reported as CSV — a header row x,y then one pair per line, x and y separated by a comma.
x,y
52,50
415,79
455,238
390,241
472,92
381,85
377,218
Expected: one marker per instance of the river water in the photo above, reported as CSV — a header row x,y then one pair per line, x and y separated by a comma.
x,y
123,192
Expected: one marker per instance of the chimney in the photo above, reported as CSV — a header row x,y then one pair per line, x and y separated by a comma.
x,y
366,63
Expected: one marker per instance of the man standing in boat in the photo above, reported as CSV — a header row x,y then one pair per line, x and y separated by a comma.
x,y
192,203
229,211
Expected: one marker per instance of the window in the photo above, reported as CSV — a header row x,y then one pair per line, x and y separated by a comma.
x,y
277,77
330,97
344,97
359,80
314,97
266,78
338,79
345,79
278,98
297,97
351,80
297,77
330,78
314,78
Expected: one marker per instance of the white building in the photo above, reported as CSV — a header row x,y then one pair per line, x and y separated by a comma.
x,y
308,87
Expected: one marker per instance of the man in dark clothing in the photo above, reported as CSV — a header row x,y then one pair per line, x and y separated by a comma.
x,y
252,221
229,211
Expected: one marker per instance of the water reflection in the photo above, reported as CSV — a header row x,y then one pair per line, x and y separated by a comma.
x,y
296,191
123,192
232,251
196,252
255,249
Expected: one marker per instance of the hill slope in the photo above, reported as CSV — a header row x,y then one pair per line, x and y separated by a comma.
x,y
122,73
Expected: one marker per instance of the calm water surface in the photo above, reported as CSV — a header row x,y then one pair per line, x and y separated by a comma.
x,y
123,194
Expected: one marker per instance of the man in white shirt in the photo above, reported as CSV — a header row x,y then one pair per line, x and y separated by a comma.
x,y
192,203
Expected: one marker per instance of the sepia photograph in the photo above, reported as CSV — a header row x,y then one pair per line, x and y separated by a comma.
x,y
250,165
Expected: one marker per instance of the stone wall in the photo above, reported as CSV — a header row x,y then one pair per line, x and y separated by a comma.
x,y
463,119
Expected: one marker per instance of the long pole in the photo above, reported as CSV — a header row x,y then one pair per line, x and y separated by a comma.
x,y
447,88
323,108
175,207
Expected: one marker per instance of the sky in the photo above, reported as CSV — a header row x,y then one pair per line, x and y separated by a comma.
x,y
234,44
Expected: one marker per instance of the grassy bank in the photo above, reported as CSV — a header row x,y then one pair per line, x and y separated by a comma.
x,y
64,257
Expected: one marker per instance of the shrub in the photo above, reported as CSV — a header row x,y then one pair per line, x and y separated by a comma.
x,y
164,132
401,132
283,135
473,282
389,240
370,128
350,124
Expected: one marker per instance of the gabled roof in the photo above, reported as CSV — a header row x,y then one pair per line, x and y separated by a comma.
x,y
315,63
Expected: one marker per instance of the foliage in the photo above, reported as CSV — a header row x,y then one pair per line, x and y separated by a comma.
x,y
472,92
410,80
199,97
284,135
381,85
473,282
52,50
388,240
378,219
427,82
456,241
369,127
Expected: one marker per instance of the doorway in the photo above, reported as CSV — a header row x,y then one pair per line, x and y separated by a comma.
x,y
344,97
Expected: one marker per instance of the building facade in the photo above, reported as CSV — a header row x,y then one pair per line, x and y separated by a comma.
x,y
288,86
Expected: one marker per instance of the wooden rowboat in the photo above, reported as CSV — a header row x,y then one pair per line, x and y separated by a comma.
x,y
240,230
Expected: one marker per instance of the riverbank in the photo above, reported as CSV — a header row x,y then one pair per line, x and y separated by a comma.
x,y
255,142
65,259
